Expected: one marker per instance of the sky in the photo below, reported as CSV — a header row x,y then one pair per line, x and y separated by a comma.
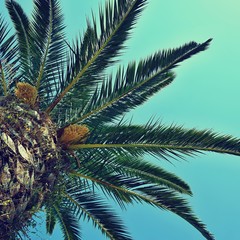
x,y
205,95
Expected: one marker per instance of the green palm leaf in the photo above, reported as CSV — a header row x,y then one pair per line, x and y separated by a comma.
x,y
160,141
22,27
41,46
136,167
50,220
140,191
104,172
67,221
48,48
103,164
8,60
83,71
134,86
88,205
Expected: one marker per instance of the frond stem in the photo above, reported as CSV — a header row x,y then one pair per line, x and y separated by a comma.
x,y
160,146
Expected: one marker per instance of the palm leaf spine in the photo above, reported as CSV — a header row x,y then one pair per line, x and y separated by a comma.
x,y
160,146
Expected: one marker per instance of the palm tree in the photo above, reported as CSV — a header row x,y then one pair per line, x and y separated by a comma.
x,y
64,144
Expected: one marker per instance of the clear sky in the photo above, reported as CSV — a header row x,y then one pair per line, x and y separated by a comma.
x,y
204,95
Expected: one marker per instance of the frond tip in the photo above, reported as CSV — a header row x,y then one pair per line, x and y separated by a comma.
x,y
26,92
74,134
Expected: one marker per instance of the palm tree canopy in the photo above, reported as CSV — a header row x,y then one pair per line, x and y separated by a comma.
x,y
101,155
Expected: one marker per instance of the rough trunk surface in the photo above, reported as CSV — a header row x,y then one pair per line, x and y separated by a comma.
x,y
29,163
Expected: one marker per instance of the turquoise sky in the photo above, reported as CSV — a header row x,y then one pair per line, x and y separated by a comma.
x,y
204,95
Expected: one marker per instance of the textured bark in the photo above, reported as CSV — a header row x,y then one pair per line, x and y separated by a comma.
x,y
29,163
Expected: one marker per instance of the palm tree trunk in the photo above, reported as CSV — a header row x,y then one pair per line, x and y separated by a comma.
x,y
29,163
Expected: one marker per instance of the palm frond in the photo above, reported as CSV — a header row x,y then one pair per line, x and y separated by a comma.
x,y
67,221
7,57
90,206
140,191
133,86
159,140
105,164
48,49
50,220
105,167
116,21
93,164
22,27
138,168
